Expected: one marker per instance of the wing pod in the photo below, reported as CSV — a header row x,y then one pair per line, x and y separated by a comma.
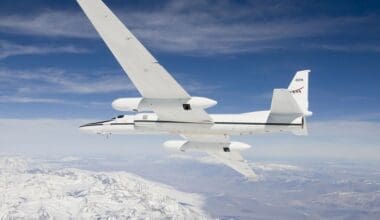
x,y
183,145
130,104
175,146
239,146
145,104
201,102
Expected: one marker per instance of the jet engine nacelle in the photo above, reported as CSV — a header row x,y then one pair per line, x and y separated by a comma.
x,y
145,104
183,145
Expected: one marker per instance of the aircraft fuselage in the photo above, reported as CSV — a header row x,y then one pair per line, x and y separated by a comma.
x,y
226,124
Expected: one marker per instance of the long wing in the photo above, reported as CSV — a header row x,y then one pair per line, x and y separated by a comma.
x,y
149,77
215,146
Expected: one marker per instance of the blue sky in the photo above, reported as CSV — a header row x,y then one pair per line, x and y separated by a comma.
x,y
53,64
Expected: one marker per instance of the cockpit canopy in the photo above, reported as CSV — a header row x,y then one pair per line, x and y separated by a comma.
x,y
119,116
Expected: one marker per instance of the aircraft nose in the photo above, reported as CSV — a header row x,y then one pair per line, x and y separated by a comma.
x,y
90,127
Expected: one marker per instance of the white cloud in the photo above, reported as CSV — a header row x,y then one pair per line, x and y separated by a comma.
x,y
345,128
215,32
202,28
8,49
23,99
32,86
53,81
362,47
61,137
49,23
333,139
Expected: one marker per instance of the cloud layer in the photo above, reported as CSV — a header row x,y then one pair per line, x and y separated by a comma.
x,y
21,86
8,49
209,28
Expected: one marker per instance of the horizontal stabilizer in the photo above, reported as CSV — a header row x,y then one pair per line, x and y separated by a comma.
x,y
283,103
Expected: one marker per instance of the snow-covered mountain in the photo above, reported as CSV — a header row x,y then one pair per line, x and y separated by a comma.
x,y
30,190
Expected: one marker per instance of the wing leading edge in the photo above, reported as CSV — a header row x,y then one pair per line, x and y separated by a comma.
x,y
149,77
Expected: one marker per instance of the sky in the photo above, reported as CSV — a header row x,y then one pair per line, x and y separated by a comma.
x,y
56,73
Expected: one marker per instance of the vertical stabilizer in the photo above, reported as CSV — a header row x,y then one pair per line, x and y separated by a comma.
x,y
283,103
292,104
299,88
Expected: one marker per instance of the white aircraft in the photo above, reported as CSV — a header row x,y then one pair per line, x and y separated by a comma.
x,y
166,108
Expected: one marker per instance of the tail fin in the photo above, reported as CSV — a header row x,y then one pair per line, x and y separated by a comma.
x,y
299,88
292,104
284,103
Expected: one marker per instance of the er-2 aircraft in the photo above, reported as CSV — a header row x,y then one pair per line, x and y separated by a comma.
x,y
166,108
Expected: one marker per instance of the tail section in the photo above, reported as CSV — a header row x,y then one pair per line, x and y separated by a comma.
x,y
284,103
303,131
299,88
292,105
